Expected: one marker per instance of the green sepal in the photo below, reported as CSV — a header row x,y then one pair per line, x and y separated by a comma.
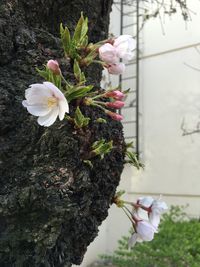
x,y
80,120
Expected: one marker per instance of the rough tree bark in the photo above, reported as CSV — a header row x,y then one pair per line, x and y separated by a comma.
x,y
51,203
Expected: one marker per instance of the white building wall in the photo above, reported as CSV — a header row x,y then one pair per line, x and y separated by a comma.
x,y
169,92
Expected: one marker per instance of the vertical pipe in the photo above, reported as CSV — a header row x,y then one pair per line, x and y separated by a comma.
x,y
121,32
121,16
137,80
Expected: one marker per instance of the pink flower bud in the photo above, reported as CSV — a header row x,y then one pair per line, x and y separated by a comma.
x,y
53,66
116,94
114,116
116,104
108,53
116,69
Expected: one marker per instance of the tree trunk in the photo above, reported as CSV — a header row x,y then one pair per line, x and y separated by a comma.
x,y
51,202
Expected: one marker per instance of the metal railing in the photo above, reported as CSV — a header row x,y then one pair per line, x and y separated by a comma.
x,y
132,80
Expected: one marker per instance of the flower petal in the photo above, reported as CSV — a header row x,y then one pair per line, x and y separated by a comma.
x,y
56,92
145,230
50,118
37,100
25,103
154,219
38,110
108,53
145,201
133,239
39,90
122,38
63,108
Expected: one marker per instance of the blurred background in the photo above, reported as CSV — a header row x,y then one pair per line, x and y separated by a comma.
x,y
161,115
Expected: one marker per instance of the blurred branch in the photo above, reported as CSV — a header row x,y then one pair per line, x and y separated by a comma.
x,y
194,68
156,8
186,131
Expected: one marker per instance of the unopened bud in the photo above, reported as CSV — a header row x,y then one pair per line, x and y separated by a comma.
x,y
54,66
114,116
116,94
116,104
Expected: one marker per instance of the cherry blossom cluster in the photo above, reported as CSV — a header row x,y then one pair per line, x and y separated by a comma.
x,y
115,101
145,217
111,52
50,100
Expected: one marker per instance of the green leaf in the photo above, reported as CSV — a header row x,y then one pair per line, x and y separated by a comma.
x,y
57,81
126,91
49,76
120,193
91,56
80,120
78,92
129,145
77,70
43,73
80,76
80,30
66,39
98,144
102,147
84,41
101,120
88,162
134,160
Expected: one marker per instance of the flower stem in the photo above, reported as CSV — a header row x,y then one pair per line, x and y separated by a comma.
x,y
129,203
64,80
96,105
100,103
99,62
98,96
127,214
128,211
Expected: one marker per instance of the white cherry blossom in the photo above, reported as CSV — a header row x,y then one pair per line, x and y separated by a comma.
x,y
144,232
108,53
155,207
116,69
47,102
125,46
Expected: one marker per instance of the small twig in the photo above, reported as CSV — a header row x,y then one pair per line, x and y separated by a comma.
x,y
189,132
194,68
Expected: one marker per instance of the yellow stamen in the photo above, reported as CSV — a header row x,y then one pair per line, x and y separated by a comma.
x,y
52,101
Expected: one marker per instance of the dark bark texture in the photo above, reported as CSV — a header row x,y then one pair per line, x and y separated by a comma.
x,y
51,202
